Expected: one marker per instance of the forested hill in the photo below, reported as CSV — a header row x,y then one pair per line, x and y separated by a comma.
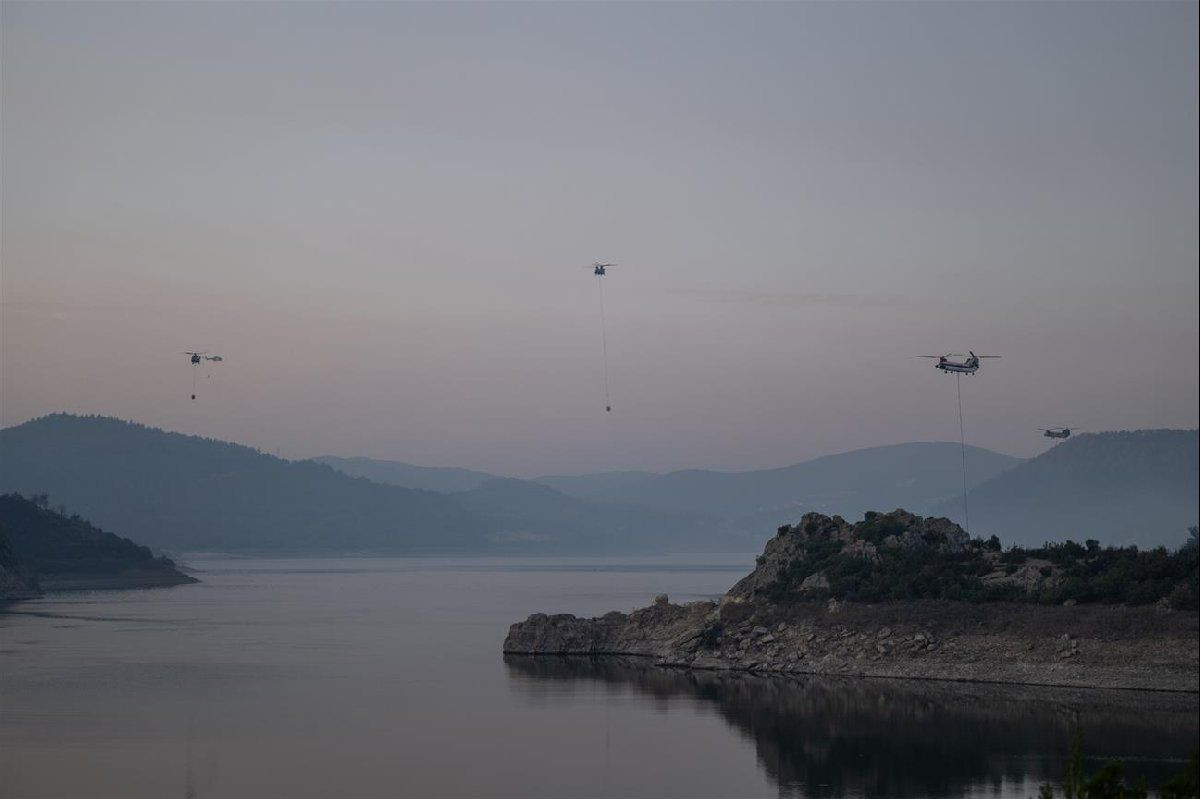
x,y
445,479
180,492
15,580
62,551
1132,487
184,493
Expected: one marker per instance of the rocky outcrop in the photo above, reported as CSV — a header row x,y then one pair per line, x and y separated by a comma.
x,y
655,631
780,569
771,622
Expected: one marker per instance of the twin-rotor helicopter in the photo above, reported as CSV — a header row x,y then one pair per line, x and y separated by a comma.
x,y
600,270
969,364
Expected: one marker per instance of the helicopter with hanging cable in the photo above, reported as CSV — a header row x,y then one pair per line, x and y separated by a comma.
x,y
196,359
600,270
969,366
199,356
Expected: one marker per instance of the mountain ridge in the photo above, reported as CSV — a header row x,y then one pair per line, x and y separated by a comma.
x,y
176,492
1121,487
916,475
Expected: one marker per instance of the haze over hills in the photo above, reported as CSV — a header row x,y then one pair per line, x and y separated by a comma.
x,y
536,514
598,485
1130,487
184,493
451,479
444,479
739,508
530,513
916,476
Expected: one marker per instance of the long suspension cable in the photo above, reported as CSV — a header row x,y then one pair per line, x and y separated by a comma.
x,y
962,444
604,343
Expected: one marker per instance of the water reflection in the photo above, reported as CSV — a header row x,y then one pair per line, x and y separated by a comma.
x,y
822,736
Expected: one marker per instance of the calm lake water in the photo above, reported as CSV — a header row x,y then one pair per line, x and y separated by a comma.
x,y
348,678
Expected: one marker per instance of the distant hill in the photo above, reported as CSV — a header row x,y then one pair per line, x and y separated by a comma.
x,y
598,485
533,516
540,517
451,479
185,493
725,510
63,552
915,476
179,492
530,512
443,479
1137,487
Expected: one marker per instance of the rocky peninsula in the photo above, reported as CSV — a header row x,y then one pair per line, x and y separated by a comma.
x,y
901,596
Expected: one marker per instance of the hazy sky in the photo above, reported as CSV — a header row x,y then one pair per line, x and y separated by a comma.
x,y
378,213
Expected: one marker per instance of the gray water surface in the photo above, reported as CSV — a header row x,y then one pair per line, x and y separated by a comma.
x,y
346,678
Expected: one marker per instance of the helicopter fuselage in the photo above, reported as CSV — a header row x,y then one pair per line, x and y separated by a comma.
x,y
968,367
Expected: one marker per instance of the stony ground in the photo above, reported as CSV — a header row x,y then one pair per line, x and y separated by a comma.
x,y
1103,647
779,619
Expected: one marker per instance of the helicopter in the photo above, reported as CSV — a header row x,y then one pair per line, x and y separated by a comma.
x,y
199,356
196,359
950,366
1057,432
600,270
